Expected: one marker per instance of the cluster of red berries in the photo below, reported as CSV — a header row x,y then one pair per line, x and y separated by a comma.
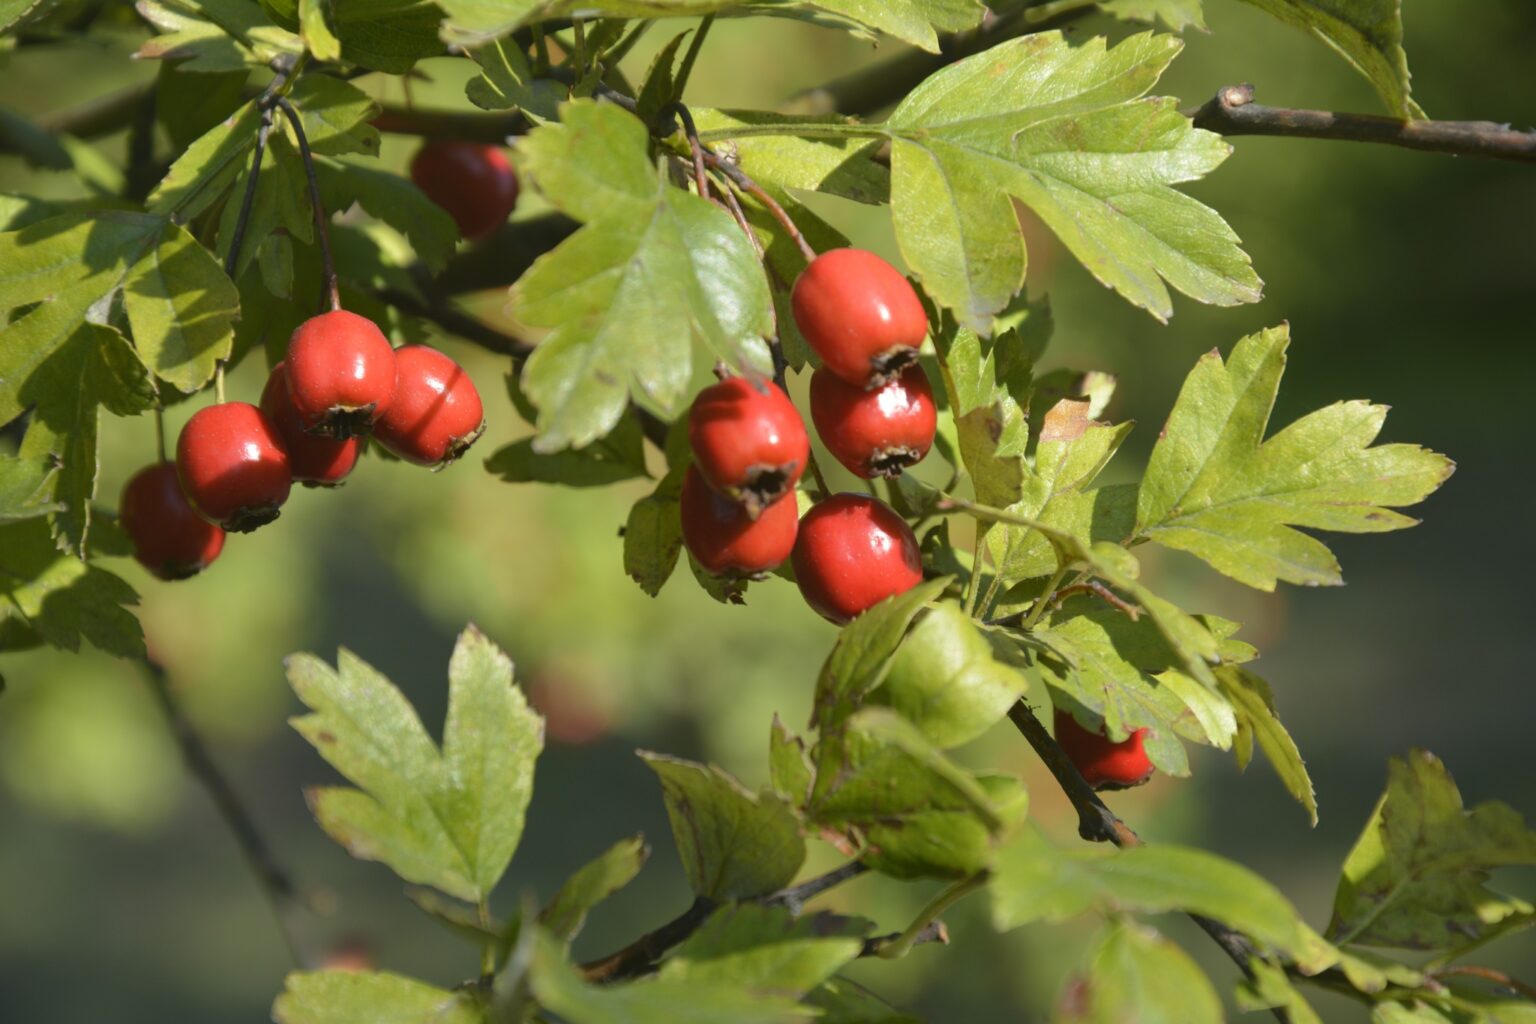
x,y
236,462
872,407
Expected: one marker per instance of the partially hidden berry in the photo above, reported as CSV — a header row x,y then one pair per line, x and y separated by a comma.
x,y
232,466
877,432
341,373
313,460
169,538
1103,762
473,182
860,315
725,540
749,442
852,553
436,414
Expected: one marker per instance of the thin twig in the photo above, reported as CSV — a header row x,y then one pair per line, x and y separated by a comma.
x,y
933,931
1490,975
640,956
796,897
332,291
696,149
1232,112
739,178
242,220
457,322
275,881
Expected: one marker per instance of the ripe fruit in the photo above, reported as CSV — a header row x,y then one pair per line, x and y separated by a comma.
x,y
473,182
860,315
878,432
313,460
341,373
232,466
1104,763
725,539
748,444
169,538
853,553
436,414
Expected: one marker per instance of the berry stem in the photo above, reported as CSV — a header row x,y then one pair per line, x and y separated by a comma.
x,y
739,178
218,382
160,432
902,944
332,293
822,490
1044,601
691,130
540,50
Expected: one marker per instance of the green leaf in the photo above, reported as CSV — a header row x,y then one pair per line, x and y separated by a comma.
x,y
1417,876
1367,33
451,821
193,42
1254,702
395,201
459,918
842,1001
789,766
945,680
61,598
911,21
314,26
1035,881
1063,130
13,12
355,997
507,81
1176,14
26,488
336,114
917,812
733,844
1269,987
41,149
1216,488
618,456
779,163
560,988
653,533
1134,974
653,269
206,168
766,950
181,309
592,883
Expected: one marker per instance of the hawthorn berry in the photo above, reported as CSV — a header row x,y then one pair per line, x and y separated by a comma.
x,y
1103,762
877,432
436,414
313,460
860,315
852,553
473,182
725,539
232,465
341,373
169,538
749,442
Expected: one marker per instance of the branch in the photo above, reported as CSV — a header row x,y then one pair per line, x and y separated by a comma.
x,y
1232,112
458,125
276,883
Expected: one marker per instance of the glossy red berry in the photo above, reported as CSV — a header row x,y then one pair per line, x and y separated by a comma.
x,y
860,315
474,183
749,442
169,538
232,466
854,552
313,460
877,432
341,373
1104,763
724,539
436,414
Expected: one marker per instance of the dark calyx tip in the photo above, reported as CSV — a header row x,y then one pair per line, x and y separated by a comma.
x,y
255,517
173,571
764,486
343,424
891,462
459,446
888,365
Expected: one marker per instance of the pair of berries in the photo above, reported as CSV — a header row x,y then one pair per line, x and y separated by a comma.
x,y
1103,762
472,182
236,463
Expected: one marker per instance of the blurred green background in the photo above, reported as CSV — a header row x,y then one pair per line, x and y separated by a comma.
x,y
1407,278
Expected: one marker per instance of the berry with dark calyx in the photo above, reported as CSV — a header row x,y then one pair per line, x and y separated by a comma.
x,y
854,552
749,442
232,465
473,182
860,315
1103,762
313,460
169,538
436,414
341,373
725,540
877,432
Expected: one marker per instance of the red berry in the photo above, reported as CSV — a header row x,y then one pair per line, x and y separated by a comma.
x,y
233,467
313,460
860,315
341,373
724,539
473,182
436,414
878,432
169,538
1104,763
853,553
749,445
